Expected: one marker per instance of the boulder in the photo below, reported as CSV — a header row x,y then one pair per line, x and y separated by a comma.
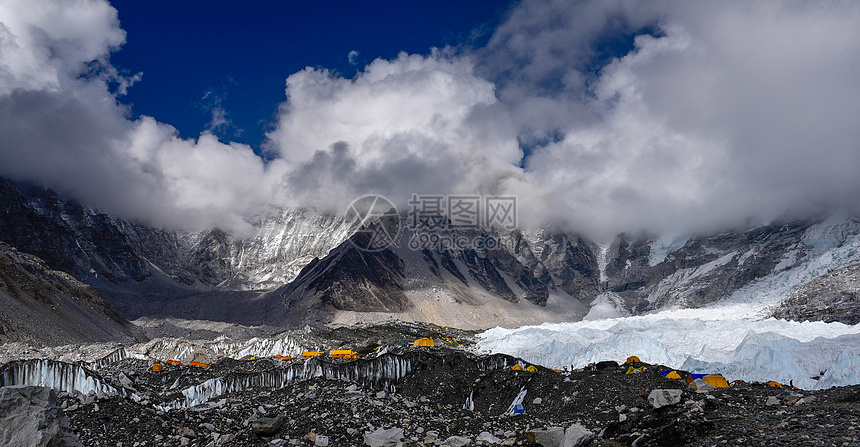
x,y
547,437
577,435
661,397
700,386
488,438
456,441
267,426
31,417
383,438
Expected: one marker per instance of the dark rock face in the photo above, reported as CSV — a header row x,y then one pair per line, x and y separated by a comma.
x,y
44,306
627,264
67,236
831,297
569,260
351,279
30,417
706,268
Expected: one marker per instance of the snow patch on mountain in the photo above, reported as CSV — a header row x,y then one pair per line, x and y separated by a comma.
x,y
664,246
607,305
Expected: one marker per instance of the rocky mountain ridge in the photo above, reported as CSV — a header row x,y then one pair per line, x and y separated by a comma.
x,y
300,266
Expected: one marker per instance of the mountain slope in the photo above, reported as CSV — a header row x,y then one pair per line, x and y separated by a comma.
x,y
48,307
831,297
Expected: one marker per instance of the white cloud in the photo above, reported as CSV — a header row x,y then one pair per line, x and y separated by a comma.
x,y
731,110
61,126
414,124
738,110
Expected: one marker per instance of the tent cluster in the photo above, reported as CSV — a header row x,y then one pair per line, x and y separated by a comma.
x,y
343,354
173,362
518,367
776,384
426,342
283,357
715,380
197,364
334,353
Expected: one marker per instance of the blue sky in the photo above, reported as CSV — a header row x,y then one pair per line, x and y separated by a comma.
x,y
236,56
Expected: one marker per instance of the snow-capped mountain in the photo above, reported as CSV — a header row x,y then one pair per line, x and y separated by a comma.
x,y
299,266
89,244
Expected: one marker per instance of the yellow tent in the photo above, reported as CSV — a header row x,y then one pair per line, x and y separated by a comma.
x,y
673,375
531,369
309,354
716,380
632,370
632,359
517,367
423,342
341,353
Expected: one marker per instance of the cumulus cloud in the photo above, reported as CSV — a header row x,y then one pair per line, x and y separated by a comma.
x,y
415,124
734,110
717,113
61,126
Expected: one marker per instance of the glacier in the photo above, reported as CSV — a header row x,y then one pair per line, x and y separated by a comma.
x,y
59,376
740,349
734,336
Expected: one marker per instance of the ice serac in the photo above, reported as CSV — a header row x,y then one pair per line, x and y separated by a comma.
x,y
58,376
208,351
701,341
378,373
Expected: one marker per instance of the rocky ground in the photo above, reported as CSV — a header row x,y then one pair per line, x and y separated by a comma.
x,y
451,397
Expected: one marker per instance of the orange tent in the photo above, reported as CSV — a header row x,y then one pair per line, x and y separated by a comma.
x,y
716,380
423,342
632,359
